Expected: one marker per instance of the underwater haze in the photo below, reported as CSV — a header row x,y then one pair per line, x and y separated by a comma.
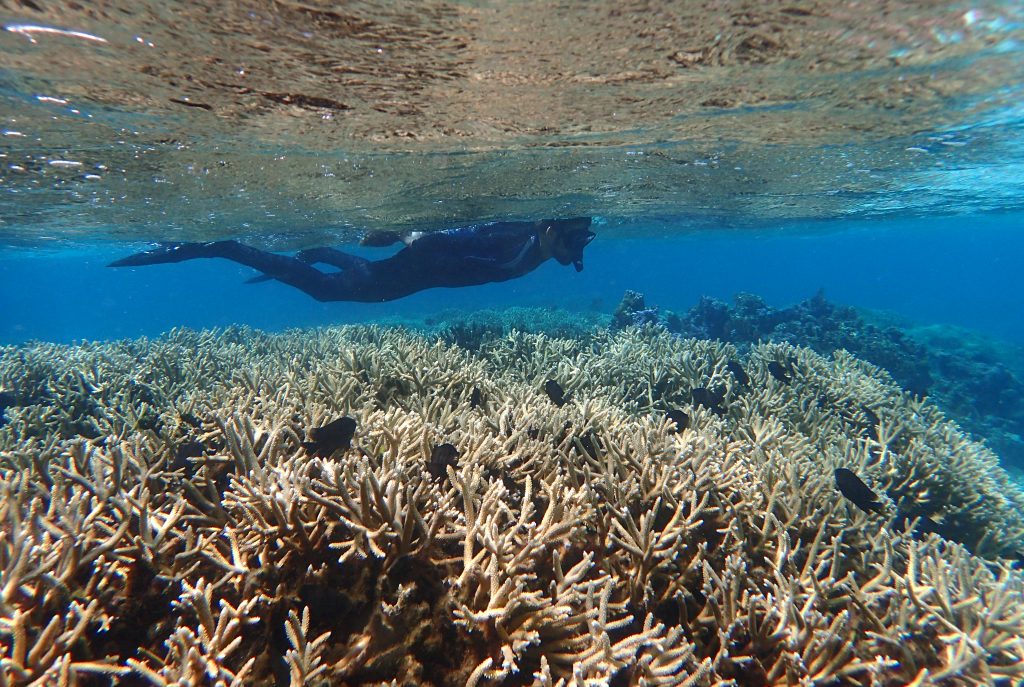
x,y
772,433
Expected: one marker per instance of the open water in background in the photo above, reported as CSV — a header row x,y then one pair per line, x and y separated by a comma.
x,y
870,150
963,271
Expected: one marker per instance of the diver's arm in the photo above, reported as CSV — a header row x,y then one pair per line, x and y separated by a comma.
x,y
512,264
503,245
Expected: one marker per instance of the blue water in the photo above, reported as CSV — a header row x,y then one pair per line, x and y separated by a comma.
x,y
705,137
962,271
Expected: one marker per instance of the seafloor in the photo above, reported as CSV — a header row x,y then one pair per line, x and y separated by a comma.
x,y
169,516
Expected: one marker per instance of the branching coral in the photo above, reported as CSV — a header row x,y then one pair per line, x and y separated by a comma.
x,y
160,518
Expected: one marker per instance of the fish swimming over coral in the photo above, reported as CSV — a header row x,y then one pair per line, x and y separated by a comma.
x,y
779,371
555,392
331,437
860,494
853,488
677,417
710,398
441,456
736,368
545,522
872,421
463,256
586,442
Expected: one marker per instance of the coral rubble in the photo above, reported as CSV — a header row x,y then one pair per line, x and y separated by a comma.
x,y
161,522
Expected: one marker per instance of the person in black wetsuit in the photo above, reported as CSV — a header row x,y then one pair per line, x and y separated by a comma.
x,y
465,256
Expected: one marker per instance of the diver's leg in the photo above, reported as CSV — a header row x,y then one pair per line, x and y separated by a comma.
x,y
331,256
327,256
283,268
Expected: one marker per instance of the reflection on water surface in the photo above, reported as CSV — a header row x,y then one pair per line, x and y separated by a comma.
x,y
286,119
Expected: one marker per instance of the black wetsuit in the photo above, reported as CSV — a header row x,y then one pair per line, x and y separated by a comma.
x,y
465,256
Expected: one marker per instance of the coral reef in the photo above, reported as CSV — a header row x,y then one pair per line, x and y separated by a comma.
x,y
973,379
632,312
471,330
817,323
162,522
980,382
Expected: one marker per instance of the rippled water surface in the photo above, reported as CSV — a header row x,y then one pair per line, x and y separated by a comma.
x,y
719,454
288,122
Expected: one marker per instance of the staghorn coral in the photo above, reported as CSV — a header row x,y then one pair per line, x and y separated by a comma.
x,y
816,323
160,522
470,330
973,379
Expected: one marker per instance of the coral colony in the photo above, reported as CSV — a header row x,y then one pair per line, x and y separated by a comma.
x,y
366,506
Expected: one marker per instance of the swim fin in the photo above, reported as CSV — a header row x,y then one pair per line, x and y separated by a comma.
x,y
165,253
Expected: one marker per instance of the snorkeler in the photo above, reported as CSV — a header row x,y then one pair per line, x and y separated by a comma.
x,y
464,256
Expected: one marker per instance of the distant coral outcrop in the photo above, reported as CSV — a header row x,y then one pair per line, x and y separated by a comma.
x,y
970,377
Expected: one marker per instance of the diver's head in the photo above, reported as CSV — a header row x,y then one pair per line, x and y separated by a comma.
x,y
565,239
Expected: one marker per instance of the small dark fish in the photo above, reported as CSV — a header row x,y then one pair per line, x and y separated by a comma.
x,y
586,442
441,457
925,525
475,398
779,371
873,421
738,372
710,399
870,415
331,437
1019,563
532,432
184,451
191,419
555,392
681,419
852,487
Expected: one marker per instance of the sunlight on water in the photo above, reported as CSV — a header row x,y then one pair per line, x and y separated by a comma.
x,y
200,120
724,396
